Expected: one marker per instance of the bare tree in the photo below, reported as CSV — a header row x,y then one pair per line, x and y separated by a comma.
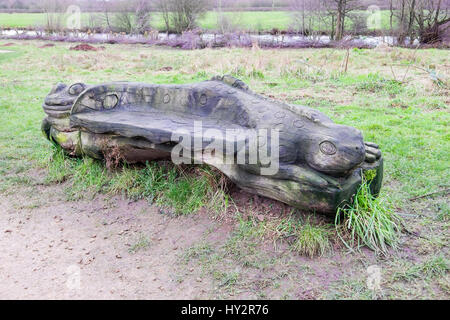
x,y
163,6
132,16
391,15
226,22
425,20
185,13
54,14
106,9
123,17
340,10
307,16
182,15
430,16
142,10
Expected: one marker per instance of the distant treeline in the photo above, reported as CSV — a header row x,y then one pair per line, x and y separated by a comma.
x,y
34,6
427,21
225,9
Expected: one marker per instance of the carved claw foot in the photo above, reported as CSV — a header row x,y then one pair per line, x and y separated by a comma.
x,y
373,152
374,161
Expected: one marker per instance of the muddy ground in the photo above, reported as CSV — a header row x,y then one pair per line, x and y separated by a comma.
x,y
113,248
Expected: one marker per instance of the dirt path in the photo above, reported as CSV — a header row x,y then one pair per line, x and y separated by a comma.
x,y
52,249
111,248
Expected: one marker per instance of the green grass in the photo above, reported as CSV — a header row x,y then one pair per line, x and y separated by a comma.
x,y
146,183
162,184
21,20
306,237
141,244
248,20
8,55
58,169
372,82
369,221
409,120
200,251
244,20
350,290
243,243
409,123
312,240
435,267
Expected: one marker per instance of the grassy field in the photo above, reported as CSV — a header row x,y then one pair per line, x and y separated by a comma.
x,y
385,93
245,20
251,20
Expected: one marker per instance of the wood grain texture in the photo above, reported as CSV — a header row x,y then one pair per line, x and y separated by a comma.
x,y
320,163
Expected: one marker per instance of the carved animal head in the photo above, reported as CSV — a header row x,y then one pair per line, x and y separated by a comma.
x,y
336,150
59,101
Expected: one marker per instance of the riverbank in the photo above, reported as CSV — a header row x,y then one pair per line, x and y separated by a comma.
x,y
198,40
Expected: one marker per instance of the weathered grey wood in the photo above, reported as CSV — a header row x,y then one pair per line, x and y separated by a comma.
x,y
320,162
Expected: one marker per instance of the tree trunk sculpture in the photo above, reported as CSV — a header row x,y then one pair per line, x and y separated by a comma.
x,y
315,164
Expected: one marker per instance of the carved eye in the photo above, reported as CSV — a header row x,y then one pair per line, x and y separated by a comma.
x,y
203,99
110,101
166,98
328,148
76,89
57,88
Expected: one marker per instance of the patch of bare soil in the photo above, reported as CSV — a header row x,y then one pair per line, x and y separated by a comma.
x,y
104,248
47,45
257,206
111,248
85,47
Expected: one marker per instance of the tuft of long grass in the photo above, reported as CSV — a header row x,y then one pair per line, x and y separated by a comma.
x,y
58,167
217,191
311,241
89,178
368,221
374,82
147,183
304,237
194,188
184,191
186,195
